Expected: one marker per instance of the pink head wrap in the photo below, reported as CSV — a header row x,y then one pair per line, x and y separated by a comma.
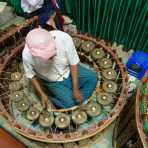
x,y
41,44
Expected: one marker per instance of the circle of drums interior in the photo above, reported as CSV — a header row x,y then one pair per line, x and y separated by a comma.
x,y
75,123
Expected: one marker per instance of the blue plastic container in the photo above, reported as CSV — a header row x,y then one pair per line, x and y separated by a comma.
x,y
137,64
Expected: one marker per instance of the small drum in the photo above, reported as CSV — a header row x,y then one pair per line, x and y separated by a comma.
x,y
77,42
32,114
23,105
105,63
97,53
46,119
79,117
16,76
93,109
62,121
109,74
104,98
17,96
109,86
87,46
15,86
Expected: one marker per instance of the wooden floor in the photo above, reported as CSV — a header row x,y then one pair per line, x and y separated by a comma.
x,y
7,141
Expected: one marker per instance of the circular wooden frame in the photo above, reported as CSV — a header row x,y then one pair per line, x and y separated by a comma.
x,y
139,123
76,135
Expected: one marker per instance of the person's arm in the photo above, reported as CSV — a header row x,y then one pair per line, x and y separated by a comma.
x,y
30,74
39,89
51,21
74,71
73,59
75,89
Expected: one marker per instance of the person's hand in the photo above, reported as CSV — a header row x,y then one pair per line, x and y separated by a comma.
x,y
77,95
51,22
44,100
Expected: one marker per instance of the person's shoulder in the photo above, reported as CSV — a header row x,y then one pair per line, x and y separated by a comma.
x,y
59,33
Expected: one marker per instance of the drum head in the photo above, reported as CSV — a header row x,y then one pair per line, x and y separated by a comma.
x,y
87,46
46,120
93,109
109,86
97,53
17,96
32,114
62,121
105,63
23,105
79,117
14,86
16,76
104,98
109,74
